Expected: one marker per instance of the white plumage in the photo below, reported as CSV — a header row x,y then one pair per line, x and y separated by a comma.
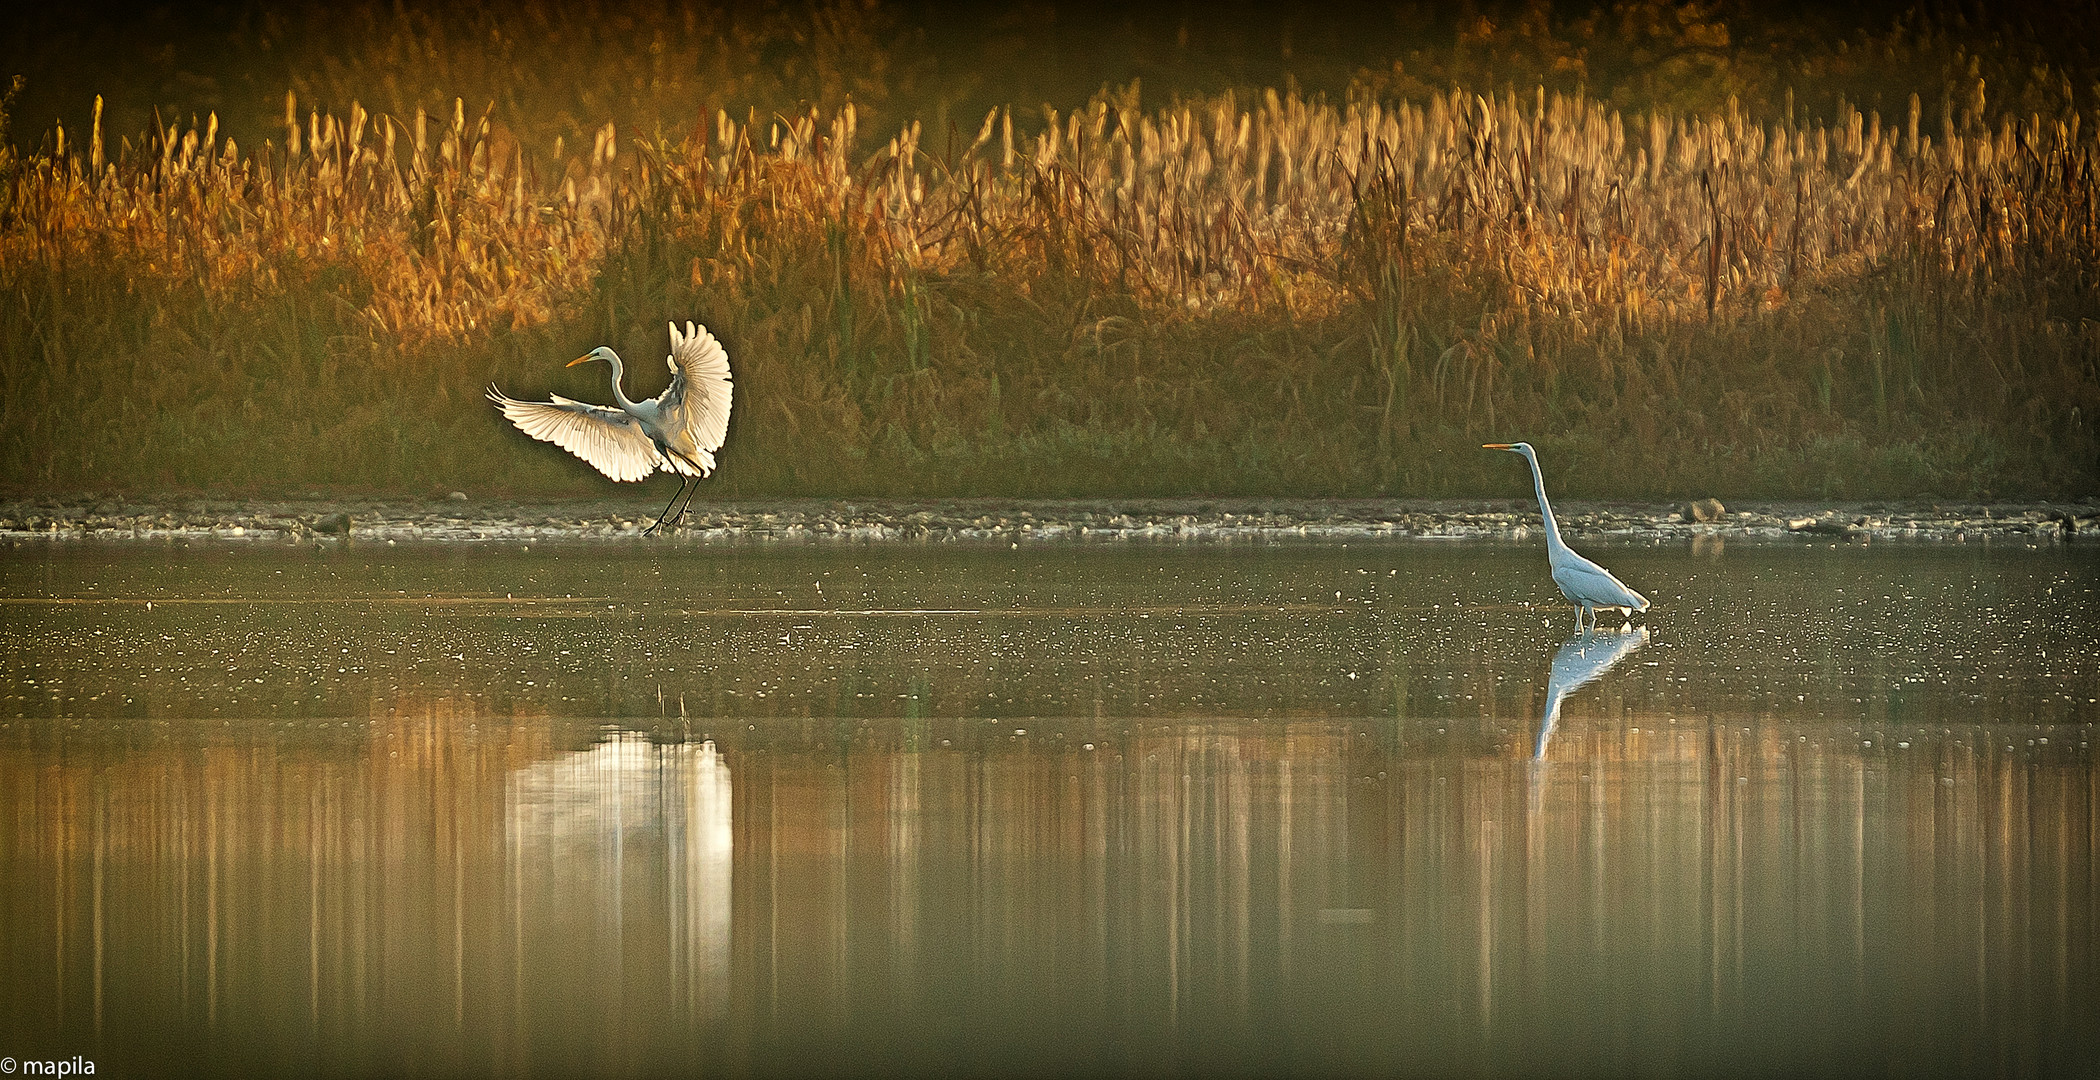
x,y
609,439
677,431
1585,584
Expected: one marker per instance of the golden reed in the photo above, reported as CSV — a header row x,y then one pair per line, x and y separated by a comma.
x,y
1272,295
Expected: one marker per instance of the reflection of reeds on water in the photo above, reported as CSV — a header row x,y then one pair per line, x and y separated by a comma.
x,y
627,897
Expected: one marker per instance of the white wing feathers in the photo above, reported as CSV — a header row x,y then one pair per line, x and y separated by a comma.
x,y
1584,582
678,431
697,401
609,439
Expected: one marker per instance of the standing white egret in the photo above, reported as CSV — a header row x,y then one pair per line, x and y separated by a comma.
x,y
677,431
1585,584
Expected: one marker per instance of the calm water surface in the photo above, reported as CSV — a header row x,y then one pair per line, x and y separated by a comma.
x,y
662,809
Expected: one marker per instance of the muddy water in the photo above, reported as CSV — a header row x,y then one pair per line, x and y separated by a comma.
x,y
887,809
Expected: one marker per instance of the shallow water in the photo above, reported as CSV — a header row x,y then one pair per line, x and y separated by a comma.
x,y
1051,809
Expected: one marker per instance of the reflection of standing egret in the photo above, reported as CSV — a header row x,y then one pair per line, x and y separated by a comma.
x,y
1585,584
1578,661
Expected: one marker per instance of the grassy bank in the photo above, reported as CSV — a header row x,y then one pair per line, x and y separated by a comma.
x,y
1227,295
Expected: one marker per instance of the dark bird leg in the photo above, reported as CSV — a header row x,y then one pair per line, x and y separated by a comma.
x,y
685,483
691,490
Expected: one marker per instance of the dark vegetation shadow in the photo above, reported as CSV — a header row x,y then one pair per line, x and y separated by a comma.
x,y
1682,277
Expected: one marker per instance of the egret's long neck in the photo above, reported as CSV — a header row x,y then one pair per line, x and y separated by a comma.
x,y
626,403
1538,480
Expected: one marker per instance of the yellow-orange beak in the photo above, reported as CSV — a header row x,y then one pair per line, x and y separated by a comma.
x,y
578,360
1497,446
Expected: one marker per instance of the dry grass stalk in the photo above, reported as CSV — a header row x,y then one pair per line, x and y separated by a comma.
x,y
1249,295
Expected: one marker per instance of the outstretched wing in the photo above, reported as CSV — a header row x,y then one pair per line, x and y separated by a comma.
x,y
695,407
609,439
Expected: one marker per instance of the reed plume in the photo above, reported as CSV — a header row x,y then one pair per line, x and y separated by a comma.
x,y
1269,295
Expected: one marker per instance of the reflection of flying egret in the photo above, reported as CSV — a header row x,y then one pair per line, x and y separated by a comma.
x,y
677,431
1585,656
1585,584
586,827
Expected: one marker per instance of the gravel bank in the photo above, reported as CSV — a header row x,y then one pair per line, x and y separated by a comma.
x,y
460,519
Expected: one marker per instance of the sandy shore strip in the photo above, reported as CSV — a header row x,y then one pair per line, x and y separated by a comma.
x,y
462,519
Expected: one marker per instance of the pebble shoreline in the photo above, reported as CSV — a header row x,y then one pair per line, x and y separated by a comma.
x,y
461,519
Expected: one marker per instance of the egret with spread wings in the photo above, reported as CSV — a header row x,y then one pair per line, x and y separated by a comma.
x,y
677,431
1585,584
